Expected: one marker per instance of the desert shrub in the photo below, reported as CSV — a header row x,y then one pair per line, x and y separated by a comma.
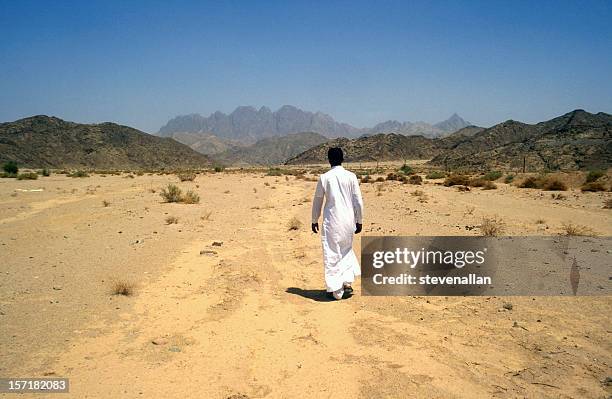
x,y
457,180
125,288
274,172
171,220
105,203
45,172
190,197
530,182
463,188
492,175
393,176
593,187
607,203
415,179
187,176
553,184
492,227
405,169
380,179
171,193
219,168
509,179
594,175
436,174
294,224
477,182
489,185
5,175
27,176
78,173
10,168
366,179
570,229
558,196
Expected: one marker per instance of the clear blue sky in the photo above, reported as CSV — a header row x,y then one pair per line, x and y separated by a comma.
x,y
141,63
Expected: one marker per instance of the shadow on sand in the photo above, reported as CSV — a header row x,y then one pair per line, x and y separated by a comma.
x,y
315,295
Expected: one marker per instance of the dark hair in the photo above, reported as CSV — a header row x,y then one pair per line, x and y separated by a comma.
x,y
335,156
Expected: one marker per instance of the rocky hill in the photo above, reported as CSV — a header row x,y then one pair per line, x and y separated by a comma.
x,y
43,141
448,126
272,150
380,147
207,144
576,140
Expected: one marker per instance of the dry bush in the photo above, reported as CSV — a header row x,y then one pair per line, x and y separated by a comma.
x,y
122,287
553,184
187,176
190,197
530,182
594,175
457,180
540,221
380,179
570,229
436,174
415,179
489,185
79,173
463,188
294,224
558,196
477,182
393,176
105,203
171,193
607,203
593,187
27,176
206,216
171,220
469,210
492,175
492,226
266,184
417,193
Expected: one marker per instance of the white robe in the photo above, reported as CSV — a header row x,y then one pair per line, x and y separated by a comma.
x,y
343,208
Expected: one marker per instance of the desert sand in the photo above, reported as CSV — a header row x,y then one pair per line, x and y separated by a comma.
x,y
249,317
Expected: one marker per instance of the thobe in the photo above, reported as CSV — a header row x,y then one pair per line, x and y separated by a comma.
x,y
343,209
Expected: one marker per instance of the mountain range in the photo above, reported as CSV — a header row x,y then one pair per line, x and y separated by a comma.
x,y
43,141
576,140
246,125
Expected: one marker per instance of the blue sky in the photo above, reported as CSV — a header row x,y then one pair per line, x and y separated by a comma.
x,y
141,63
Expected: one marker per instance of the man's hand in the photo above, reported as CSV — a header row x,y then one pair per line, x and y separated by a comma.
x,y
358,227
315,228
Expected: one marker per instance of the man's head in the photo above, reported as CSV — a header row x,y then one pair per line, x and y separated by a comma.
x,y
335,156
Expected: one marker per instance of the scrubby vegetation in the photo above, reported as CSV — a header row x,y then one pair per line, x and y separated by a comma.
x,y
607,203
570,229
509,179
171,220
415,179
547,183
405,169
187,176
593,187
294,224
457,180
171,193
492,226
125,288
436,174
45,172
10,168
492,175
27,176
190,197
78,173
594,175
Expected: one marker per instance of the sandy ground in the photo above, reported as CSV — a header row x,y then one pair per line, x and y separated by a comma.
x,y
252,319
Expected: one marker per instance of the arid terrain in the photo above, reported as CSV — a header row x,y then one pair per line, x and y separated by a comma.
x,y
228,301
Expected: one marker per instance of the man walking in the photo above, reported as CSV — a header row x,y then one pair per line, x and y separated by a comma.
x,y
342,216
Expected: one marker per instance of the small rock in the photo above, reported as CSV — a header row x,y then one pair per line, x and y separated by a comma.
x,y
217,243
159,341
507,306
57,288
